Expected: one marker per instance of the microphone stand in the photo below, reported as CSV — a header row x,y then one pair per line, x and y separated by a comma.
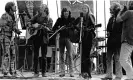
x,y
80,40
57,47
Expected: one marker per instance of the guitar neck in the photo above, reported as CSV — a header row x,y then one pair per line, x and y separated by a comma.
x,y
93,27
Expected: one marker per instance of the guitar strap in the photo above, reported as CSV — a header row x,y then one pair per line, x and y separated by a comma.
x,y
45,37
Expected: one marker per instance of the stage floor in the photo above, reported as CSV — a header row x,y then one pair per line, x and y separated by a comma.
x,y
51,76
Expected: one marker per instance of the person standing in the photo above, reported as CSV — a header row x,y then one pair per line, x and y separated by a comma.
x,y
42,24
114,31
6,37
127,39
64,40
87,37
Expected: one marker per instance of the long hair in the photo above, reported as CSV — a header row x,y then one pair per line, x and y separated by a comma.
x,y
45,8
89,10
64,10
8,6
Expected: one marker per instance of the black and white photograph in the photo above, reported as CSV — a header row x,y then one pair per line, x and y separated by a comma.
x,y
66,39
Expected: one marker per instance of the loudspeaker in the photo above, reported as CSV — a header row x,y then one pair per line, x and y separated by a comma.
x,y
24,55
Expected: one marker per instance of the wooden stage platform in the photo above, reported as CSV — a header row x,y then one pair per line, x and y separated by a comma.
x,y
51,76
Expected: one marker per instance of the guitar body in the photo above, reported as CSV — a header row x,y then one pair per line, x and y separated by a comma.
x,y
32,31
74,34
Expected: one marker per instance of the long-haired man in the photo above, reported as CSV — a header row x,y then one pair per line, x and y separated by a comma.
x,y
64,40
42,23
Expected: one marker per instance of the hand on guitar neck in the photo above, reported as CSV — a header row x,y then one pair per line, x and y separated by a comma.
x,y
85,28
40,26
93,27
65,27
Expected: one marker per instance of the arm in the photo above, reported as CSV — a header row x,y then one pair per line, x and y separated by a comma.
x,y
10,24
49,24
109,26
122,17
92,18
56,25
118,18
33,20
71,23
72,20
3,22
77,21
15,26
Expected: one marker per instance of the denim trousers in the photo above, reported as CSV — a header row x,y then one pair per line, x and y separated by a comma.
x,y
125,59
118,68
65,43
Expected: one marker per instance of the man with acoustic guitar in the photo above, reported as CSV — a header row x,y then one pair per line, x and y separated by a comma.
x,y
41,25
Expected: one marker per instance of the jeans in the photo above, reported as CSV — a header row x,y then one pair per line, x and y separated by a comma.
x,y
118,69
65,42
125,59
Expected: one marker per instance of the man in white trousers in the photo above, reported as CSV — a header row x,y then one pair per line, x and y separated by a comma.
x,y
127,39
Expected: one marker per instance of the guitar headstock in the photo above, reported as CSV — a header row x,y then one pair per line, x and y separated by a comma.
x,y
98,25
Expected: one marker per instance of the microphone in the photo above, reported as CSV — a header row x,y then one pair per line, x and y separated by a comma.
x,y
81,16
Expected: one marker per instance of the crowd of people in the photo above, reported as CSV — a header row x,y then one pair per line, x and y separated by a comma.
x,y
119,39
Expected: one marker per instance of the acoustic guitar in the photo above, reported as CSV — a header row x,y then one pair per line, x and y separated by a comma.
x,y
33,30
74,33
